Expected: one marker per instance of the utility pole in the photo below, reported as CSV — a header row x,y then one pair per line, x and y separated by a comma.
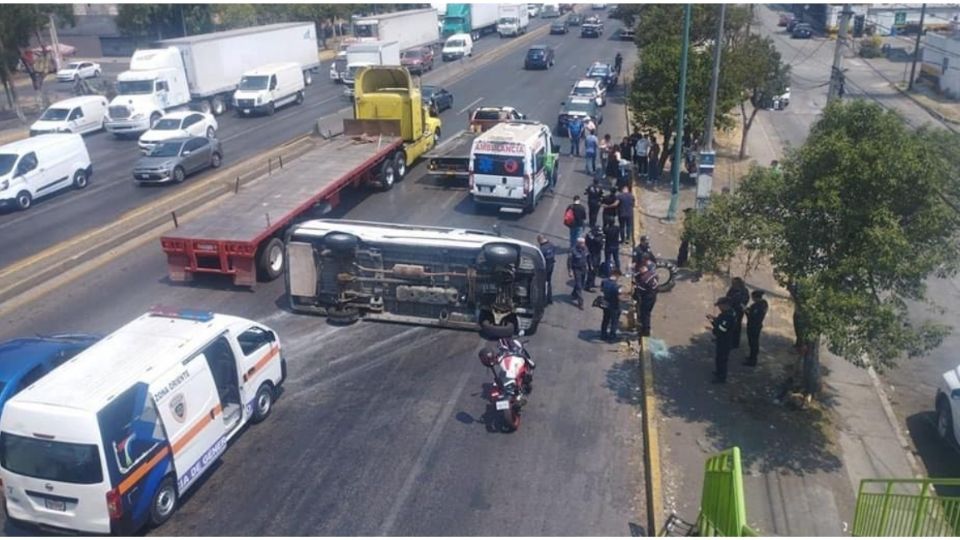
x,y
681,102
708,157
836,73
916,48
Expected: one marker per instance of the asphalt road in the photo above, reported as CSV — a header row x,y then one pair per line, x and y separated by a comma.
x,y
912,385
112,191
381,428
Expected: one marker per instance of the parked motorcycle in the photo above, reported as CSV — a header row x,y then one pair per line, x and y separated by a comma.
x,y
511,366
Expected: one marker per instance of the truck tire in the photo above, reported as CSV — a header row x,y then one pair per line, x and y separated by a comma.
x,y
271,108
342,243
163,503
436,137
204,106
345,316
497,331
271,260
299,99
400,164
387,176
307,78
500,254
218,106
944,421
80,179
531,204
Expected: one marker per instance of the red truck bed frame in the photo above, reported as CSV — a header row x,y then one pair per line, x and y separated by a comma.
x,y
226,239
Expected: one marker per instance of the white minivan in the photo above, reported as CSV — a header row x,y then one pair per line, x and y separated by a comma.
x,y
113,438
507,165
457,46
81,114
41,165
268,87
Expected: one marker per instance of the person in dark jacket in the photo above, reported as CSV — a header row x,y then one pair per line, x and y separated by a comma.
x,y
594,195
739,296
755,315
577,269
611,313
722,328
594,239
645,287
609,204
611,241
549,252
625,203
643,246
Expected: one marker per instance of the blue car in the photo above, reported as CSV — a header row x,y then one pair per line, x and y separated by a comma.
x,y
24,361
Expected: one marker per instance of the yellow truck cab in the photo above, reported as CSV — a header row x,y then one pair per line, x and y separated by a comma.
x,y
387,93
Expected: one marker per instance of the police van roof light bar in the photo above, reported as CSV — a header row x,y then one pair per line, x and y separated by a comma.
x,y
186,314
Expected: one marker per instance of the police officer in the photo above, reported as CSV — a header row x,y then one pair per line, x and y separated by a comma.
x,y
643,246
611,312
577,269
755,315
611,241
594,239
739,297
645,287
594,193
722,328
549,252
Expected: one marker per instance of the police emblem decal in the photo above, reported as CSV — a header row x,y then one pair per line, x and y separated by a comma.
x,y
178,406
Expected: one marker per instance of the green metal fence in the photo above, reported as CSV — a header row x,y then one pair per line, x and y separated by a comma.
x,y
907,508
722,507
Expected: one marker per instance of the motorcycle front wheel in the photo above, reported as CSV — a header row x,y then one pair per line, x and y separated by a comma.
x,y
511,420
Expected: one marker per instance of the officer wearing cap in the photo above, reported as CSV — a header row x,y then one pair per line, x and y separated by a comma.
x,y
755,315
722,328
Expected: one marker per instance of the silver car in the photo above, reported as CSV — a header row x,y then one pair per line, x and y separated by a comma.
x,y
172,160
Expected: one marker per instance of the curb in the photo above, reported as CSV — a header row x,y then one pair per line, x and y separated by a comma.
x,y
38,269
946,122
651,443
894,423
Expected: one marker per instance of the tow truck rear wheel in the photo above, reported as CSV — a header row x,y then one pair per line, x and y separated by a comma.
x,y
388,176
270,260
400,164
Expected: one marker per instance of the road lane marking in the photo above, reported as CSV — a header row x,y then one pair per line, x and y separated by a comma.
x,y
472,103
425,452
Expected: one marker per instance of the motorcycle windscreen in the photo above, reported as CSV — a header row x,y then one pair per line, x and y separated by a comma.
x,y
510,367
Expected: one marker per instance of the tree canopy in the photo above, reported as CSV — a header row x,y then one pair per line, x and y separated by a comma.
x,y
18,24
855,223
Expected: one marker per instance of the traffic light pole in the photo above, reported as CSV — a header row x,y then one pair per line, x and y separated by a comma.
x,y
681,102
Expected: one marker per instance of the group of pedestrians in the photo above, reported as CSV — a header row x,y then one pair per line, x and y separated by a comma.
x,y
727,326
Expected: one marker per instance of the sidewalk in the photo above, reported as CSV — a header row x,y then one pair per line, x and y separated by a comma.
x,y
802,467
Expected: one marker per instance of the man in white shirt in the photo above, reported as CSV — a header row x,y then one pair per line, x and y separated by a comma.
x,y
640,152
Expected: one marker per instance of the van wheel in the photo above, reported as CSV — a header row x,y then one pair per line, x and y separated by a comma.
x,y
400,165
531,203
307,78
299,98
271,260
262,403
164,502
178,175
80,179
24,200
387,175
271,108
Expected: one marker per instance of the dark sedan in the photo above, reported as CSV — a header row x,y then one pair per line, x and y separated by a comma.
x,y
802,31
575,19
539,57
437,98
603,72
559,27
172,160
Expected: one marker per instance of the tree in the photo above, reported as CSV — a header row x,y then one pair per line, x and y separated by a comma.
x,y
18,24
162,21
228,16
855,224
755,68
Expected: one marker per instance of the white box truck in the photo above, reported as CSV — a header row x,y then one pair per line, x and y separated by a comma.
x,y
513,20
204,71
410,28
374,53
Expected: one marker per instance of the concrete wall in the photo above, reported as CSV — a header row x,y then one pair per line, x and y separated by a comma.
x,y
941,58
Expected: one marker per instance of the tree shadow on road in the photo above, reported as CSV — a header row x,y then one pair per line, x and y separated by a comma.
x,y
743,412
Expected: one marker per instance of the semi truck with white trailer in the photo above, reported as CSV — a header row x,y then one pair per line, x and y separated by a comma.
x,y
203,71
513,20
474,19
409,29
372,53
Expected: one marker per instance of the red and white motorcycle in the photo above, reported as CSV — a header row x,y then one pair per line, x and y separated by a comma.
x,y
512,369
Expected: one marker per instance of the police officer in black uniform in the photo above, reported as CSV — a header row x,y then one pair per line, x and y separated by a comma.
x,y
549,252
646,283
643,246
594,193
722,328
594,240
755,315
611,313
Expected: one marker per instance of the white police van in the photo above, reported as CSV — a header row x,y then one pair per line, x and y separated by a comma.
x,y
112,439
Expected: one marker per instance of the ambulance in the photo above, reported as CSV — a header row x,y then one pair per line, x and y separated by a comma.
x,y
112,439
507,165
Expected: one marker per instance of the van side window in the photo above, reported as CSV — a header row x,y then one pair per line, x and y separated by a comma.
x,y
273,82
27,163
130,428
254,338
76,114
539,160
31,377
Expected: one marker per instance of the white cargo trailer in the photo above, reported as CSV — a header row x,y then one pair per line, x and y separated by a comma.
x,y
483,19
373,53
411,28
215,62
513,19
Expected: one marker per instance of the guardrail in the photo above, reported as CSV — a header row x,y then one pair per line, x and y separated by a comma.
x,y
908,507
